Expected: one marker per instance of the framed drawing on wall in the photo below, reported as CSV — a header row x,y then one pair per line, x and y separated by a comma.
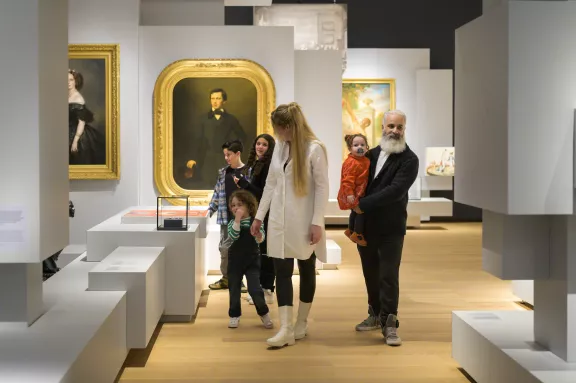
x,y
198,106
364,102
93,111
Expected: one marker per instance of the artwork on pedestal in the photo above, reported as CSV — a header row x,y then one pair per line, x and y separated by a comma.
x,y
198,106
364,102
93,111
440,161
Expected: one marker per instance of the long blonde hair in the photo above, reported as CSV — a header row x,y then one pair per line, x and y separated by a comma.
x,y
290,116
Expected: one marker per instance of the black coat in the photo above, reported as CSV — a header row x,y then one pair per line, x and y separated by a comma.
x,y
386,196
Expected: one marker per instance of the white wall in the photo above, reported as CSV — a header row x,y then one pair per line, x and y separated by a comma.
x,y
271,47
434,119
33,136
179,12
318,90
105,22
401,65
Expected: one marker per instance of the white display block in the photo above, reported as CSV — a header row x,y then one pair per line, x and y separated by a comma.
x,y
524,290
334,255
63,345
202,222
70,253
185,272
516,247
21,297
499,347
35,184
499,124
140,271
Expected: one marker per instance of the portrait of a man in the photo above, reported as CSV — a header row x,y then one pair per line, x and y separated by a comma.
x,y
207,113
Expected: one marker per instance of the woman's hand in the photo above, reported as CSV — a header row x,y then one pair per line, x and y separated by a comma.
x,y
255,228
74,148
315,234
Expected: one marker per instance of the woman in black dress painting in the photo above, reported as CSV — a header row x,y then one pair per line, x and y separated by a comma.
x,y
87,145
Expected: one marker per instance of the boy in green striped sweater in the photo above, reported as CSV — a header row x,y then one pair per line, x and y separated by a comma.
x,y
244,258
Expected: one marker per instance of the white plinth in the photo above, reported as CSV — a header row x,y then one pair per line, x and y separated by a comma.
x,y
185,273
334,255
498,347
140,272
82,338
133,219
425,207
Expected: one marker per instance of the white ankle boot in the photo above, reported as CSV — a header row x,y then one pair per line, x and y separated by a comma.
x,y
301,326
284,337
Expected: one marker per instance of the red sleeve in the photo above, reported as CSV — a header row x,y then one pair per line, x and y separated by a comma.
x,y
362,179
351,169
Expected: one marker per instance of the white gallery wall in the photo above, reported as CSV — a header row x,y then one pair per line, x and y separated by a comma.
x,y
271,47
401,65
178,12
318,90
109,22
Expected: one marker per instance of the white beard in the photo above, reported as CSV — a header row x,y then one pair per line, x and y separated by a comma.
x,y
391,145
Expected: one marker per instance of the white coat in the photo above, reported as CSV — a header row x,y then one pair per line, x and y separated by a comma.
x,y
290,215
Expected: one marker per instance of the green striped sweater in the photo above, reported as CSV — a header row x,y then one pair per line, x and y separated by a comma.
x,y
245,223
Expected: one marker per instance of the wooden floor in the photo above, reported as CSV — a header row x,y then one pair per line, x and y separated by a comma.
x,y
441,272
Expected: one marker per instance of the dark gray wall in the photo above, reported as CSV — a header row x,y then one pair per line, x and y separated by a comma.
x,y
400,24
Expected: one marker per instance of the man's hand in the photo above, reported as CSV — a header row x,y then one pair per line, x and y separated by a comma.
x,y
358,211
350,199
315,234
255,228
190,164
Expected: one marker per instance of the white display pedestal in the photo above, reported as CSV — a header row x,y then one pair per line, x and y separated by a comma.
x,y
140,272
185,270
424,207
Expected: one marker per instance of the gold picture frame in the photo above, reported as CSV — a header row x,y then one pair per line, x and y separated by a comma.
x,y
99,67
206,72
366,120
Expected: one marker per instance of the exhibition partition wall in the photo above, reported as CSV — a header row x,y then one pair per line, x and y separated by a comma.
x,y
515,108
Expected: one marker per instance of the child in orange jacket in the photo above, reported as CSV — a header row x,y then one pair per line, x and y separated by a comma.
x,y
353,182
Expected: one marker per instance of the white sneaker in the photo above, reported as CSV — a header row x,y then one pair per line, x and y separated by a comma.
x,y
234,322
269,296
250,300
267,321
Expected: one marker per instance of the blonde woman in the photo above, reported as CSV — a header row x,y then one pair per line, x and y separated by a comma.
x,y
296,194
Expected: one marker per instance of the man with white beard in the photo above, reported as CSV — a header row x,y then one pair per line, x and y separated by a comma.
x,y
393,170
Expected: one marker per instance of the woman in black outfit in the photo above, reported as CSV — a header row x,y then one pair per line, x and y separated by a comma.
x,y
258,165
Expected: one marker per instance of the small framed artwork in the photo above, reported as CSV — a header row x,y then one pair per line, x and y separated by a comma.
x,y
440,161
93,111
198,106
364,102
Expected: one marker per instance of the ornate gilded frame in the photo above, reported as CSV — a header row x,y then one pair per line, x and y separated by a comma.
x,y
163,102
111,55
371,81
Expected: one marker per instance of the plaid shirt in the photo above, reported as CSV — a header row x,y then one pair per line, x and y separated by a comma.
x,y
219,201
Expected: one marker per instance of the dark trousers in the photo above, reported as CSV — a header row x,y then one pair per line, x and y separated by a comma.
x,y
267,272
381,267
284,271
356,223
239,266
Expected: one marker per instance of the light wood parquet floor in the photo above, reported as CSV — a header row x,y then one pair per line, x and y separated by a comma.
x,y
441,272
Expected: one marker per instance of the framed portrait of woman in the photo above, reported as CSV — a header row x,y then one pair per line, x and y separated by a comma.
x,y
93,111
198,106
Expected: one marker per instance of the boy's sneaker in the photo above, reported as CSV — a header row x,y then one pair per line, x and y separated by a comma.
x,y
250,300
371,323
267,321
390,331
269,296
221,284
242,288
234,322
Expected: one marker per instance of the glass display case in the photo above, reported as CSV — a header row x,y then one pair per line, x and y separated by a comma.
x,y
172,219
415,192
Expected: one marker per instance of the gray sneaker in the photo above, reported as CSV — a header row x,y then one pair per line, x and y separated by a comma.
x,y
369,324
390,331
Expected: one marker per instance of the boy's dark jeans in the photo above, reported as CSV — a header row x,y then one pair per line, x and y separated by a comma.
x,y
248,265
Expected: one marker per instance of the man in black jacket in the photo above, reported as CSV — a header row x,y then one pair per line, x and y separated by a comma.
x,y
393,170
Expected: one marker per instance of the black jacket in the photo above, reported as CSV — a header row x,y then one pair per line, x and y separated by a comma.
x,y
386,196
256,186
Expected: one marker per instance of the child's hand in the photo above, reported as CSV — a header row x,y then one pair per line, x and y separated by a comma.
x,y
259,237
240,212
350,199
